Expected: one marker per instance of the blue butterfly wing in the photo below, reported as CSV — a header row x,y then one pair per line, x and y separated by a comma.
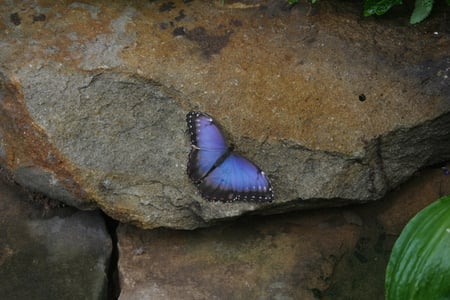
x,y
219,173
236,178
205,133
208,144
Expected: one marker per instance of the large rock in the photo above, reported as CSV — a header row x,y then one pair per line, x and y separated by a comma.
x,y
279,258
323,254
50,253
334,108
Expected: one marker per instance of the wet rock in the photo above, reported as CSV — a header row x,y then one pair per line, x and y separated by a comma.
x,y
50,252
403,203
338,253
275,258
93,100
361,273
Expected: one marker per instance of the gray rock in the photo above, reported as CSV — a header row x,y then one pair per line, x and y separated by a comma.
x,y
333,111
57,253
38,179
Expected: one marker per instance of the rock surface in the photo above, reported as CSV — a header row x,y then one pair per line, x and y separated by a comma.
x,y
323,254
335,108
275,258
50,253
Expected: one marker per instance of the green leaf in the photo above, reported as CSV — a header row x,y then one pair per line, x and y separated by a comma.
x,y
419,266
379,7
421,10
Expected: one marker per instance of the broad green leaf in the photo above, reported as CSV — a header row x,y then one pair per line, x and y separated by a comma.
x,y
419,266
421,10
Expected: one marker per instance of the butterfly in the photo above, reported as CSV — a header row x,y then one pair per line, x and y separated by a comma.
x,y
219,173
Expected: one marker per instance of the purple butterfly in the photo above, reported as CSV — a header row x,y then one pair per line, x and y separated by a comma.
x,y
219,173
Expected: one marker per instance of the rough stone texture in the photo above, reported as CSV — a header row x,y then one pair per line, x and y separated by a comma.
x,y
278,258
50,253
93,98
382,224
338,253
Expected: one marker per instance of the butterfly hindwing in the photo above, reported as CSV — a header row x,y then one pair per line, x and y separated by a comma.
x,y
236,178
219,173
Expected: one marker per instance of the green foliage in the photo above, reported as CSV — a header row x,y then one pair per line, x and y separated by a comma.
x,y
422,8
419,266
379,7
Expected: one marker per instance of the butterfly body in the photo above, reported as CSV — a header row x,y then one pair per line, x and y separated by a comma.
x,y
219,173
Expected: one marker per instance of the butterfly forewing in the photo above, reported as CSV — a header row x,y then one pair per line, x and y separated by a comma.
x,y
222,175
208,144
205,134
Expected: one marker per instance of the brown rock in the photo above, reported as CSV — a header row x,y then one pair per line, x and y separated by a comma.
x,y
335,108
338,253
361,273
276,257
